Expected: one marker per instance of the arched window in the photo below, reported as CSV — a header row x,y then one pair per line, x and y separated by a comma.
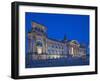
x,y
36,29
39,43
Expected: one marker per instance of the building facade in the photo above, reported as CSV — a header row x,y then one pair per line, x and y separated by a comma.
x,y
40,46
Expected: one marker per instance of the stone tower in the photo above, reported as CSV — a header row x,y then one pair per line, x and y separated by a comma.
x,y
37,39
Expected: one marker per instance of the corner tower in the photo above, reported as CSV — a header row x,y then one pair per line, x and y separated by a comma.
x,y
37,38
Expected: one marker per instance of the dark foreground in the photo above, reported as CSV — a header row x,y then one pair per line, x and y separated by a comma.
x,y
69,61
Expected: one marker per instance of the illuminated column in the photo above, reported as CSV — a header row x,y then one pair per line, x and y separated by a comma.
x,y
72,51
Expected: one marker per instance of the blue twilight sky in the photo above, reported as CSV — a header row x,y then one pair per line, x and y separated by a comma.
x,y
75,27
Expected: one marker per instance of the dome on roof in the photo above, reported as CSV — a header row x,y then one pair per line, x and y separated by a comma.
x,y
74,42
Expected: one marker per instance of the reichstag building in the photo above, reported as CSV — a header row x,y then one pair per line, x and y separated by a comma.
x,y
40,46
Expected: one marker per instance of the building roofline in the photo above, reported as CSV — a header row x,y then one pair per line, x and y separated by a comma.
x,y
39,24
54,40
